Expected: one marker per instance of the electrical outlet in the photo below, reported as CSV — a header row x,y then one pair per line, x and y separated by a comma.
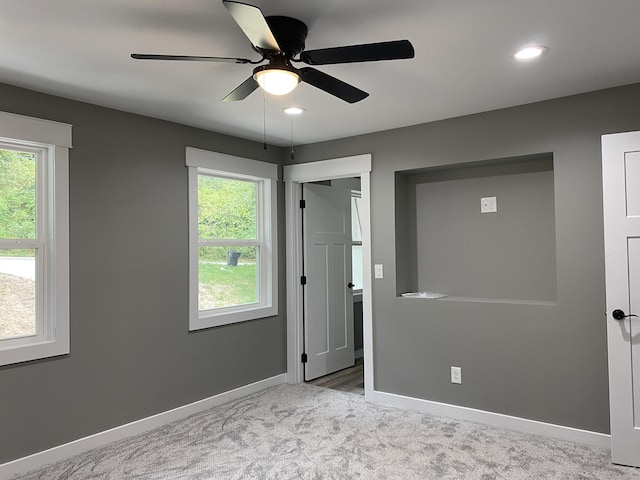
x,y
456,375
488,205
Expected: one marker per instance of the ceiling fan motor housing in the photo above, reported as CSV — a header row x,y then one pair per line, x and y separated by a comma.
x,y
290,33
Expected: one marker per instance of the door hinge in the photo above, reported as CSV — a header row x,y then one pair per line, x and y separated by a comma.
x,y
303,203
304,358
303,280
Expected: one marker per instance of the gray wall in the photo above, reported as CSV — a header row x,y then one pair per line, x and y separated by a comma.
x,y
539,361
131,353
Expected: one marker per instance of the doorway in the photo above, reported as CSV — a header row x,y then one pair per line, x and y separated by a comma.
x,y
350,380
294,176
327,278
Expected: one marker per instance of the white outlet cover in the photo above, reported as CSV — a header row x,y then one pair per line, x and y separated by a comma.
x,y
488,205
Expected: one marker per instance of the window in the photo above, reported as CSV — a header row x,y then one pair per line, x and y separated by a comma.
x,y
356,242
34,231
232,239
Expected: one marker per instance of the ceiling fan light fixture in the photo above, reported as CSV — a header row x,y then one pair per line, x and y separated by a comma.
x,y
276,80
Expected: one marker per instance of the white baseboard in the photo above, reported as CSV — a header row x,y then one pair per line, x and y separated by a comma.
x,y
61,452
559,432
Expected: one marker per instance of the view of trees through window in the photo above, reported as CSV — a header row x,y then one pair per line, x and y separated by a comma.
x,y
17,227
227,232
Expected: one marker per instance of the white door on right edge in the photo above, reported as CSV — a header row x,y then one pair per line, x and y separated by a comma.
x,y
621,195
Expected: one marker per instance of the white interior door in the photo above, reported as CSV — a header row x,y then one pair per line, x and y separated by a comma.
x,y
328,303
621,191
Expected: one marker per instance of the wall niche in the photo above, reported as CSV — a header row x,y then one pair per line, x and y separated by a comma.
x,y
445,244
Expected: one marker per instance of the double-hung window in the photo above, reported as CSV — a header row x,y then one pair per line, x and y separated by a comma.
x,y
232,239
34,243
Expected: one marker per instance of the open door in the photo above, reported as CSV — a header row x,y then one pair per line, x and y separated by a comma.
x,y
328,297
621,195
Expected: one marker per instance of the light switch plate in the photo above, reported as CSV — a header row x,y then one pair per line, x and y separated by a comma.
x,y
378,270
456,375
488,205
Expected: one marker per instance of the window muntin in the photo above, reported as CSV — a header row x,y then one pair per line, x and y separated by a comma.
x,y
232,239
34,231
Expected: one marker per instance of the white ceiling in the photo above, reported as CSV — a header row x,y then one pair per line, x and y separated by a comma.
x,y
80,49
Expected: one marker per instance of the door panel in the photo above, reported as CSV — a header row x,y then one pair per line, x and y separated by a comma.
x,y
338,256
328,299
621,201
318,301
632,183
634,323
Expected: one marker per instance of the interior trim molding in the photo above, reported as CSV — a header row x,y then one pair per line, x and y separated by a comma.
x,y
61,452
294,176
584,437
334,168
36,130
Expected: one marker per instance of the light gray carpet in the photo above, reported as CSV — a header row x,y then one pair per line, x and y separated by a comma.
x,y
307,432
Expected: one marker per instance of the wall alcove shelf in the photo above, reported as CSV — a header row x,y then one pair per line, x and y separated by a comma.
x,y
445,244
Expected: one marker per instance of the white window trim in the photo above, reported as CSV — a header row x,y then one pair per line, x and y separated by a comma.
x,y
242,168
53,139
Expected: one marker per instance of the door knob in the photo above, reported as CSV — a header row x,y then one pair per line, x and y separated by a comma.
x,y
350,285
620,315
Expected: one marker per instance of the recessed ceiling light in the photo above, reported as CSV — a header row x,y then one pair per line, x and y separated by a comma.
x,y
529,53
294,110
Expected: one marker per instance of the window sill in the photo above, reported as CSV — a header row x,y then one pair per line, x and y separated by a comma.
x,y
218,319
26,352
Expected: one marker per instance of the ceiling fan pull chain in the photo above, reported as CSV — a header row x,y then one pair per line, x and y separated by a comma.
x,y
264,121
293,156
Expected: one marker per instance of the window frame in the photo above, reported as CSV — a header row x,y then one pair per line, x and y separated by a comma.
x,y
51,142
265,175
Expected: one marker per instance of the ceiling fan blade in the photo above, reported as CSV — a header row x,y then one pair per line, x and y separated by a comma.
x,y
242,91
188,58
252,22
332,85
369,52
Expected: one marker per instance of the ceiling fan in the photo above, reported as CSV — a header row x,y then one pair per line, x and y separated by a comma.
x,y
278,40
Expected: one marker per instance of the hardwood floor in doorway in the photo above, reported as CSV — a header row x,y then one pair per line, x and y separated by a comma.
x,y
348,380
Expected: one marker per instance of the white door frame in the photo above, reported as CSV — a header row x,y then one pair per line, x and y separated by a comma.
x,y
294,175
